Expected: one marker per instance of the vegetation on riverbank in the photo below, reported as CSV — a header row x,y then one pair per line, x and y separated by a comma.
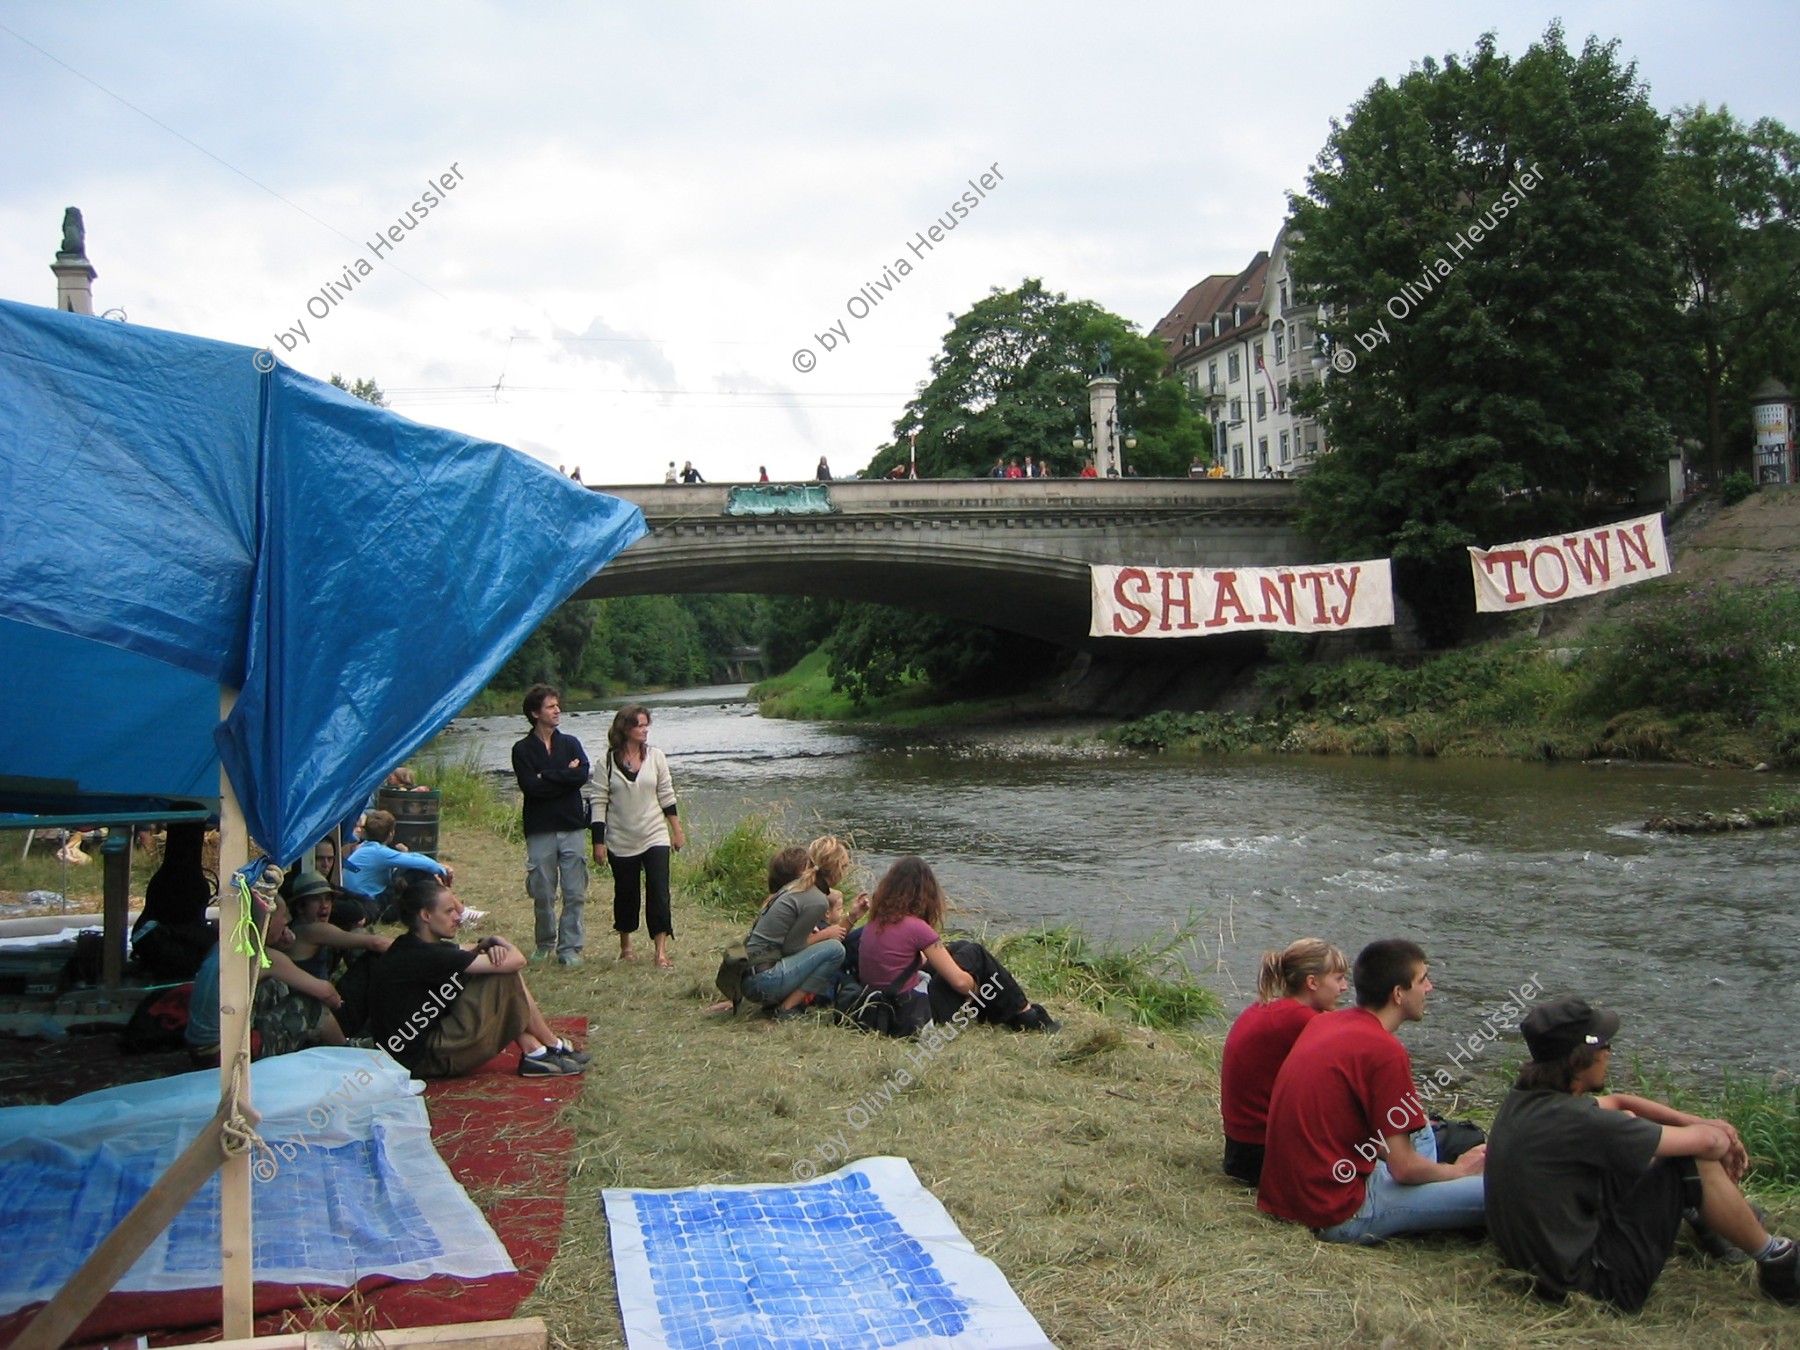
x,y
805,693
1694,674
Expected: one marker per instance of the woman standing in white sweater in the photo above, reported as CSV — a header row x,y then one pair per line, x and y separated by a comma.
x,y
634,826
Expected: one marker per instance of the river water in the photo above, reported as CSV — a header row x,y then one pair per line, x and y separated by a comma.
x,y
1502,872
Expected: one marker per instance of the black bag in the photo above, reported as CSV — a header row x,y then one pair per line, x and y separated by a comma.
x,y
159,1022
356,986
734,965
886,1011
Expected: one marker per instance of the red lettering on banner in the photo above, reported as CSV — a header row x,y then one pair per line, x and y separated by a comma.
x,y
1545,550
1340,617
1281,597
1509,558
1185,604
1627,548
1317,580
1227,595
1580,549
1142,580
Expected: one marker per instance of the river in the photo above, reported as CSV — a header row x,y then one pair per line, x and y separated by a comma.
x,y
1503,872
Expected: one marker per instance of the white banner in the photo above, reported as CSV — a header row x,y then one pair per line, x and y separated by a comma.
x,y
1173,602
1543,571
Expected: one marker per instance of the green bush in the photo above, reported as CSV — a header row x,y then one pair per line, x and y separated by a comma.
x,y
730,875
1735,487
470,798
1147,984
1733,651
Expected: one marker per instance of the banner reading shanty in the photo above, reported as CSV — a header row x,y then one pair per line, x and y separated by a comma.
x,y
1174,602
1543,571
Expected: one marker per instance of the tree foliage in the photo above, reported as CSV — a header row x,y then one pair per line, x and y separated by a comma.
x,y
1735,203
367,390
876,648
635,641
1012,381
1523,375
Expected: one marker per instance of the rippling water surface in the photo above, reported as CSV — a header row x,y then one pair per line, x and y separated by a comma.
x,y
1501,871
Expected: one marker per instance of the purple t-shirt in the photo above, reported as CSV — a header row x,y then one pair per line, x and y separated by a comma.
x,y
888,949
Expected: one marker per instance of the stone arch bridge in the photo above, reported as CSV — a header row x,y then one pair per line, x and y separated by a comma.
x,y
1004,552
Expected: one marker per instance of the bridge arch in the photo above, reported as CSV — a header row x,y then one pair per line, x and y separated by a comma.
x,y
1008,553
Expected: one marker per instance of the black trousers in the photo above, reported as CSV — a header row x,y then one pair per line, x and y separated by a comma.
x,y
646,873
1003,1000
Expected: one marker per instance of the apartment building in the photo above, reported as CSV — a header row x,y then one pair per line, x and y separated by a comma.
x,y
1246,343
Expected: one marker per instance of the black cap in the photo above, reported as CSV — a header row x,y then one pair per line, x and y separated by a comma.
x,y
1559,1025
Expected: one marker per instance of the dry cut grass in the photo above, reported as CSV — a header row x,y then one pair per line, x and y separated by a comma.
x,y
1085,1164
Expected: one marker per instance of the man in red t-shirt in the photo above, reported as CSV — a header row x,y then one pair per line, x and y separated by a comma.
x,y
1350,1153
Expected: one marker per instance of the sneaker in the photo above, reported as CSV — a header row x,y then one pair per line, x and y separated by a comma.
x,y
570,959
546,1065
1720,1249
566,1051
470,916
543,954
1780,1277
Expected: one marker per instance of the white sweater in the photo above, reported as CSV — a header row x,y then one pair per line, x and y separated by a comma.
x,y
634,811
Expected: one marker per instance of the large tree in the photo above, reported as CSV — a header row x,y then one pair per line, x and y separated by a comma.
x,y
1735,199
1012,381
1491,237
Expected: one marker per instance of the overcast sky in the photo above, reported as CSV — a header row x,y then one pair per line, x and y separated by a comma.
x,y
661,203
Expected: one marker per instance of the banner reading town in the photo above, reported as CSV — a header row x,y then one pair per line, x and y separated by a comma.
x,y
1174,602
1543,571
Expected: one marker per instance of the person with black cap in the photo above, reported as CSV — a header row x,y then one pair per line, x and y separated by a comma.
x,y
1587,1192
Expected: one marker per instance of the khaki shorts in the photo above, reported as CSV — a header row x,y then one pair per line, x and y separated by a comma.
x,y
489,1014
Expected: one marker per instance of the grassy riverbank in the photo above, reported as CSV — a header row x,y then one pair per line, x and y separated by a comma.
x,y
805,694
1085,1164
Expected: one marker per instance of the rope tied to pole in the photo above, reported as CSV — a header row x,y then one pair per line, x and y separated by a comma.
x,y
237,1133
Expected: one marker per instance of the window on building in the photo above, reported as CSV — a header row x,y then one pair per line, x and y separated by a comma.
x,y
1233,367
1285,454
1256,354
1237,460
1312,448
1280,345
1237,409
1212,374
1262,404
1284,298
1281,396
1262,452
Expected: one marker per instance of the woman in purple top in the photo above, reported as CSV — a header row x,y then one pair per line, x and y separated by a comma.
x,y
901,938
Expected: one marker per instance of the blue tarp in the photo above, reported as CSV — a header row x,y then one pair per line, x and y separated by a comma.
x,y
174,519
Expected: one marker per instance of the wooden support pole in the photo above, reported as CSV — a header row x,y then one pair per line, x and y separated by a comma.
x,y
523,1333
136,1231
115,905
237,1273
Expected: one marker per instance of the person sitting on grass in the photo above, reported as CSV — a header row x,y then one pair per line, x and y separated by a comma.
x,y
370,867
1587,1190
1294,986
1349,1151
796,946
291,1009
443,1009
319,943
905,914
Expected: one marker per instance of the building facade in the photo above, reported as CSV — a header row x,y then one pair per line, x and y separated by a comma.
x,y
1247,344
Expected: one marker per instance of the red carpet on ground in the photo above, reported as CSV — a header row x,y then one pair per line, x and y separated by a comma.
x,y
500,1137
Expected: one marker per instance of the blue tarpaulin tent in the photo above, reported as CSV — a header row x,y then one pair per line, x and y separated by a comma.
x,y
175,519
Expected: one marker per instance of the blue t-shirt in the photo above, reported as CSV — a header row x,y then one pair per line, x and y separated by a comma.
x,y
370,867
203,1006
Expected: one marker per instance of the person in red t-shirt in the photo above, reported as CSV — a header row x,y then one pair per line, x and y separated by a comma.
x,y
1295,986
1349,1151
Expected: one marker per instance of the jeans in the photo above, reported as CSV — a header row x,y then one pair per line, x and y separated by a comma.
x,y
548,856
814,969
1390,1208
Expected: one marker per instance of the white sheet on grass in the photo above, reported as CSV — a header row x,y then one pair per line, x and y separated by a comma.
x,y
354,1186
862,1257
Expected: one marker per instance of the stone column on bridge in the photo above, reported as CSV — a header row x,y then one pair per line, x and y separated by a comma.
x,y
1103,405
